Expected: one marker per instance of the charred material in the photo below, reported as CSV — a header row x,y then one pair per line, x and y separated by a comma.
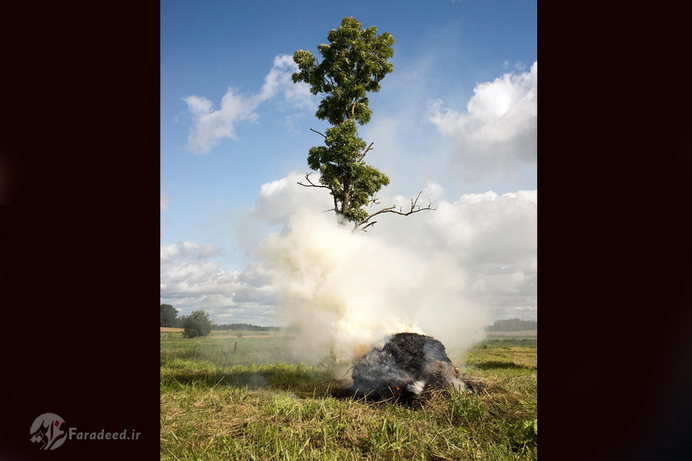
x,y
404,368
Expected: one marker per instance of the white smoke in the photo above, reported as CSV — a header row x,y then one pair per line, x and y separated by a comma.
x,y
347,292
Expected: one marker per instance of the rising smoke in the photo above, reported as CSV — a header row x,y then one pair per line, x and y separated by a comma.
x,y
347,292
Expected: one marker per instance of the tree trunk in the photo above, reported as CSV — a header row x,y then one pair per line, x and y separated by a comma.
x,y
347,197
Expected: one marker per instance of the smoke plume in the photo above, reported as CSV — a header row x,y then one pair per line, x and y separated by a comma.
x,y
347,292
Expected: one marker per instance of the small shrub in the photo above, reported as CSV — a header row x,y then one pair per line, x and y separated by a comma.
x,y
196,324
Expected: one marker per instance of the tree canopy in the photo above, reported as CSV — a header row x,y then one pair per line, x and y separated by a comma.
x,y
196,324
353,63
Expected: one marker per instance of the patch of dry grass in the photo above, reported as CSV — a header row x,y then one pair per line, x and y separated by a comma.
x,y
297,413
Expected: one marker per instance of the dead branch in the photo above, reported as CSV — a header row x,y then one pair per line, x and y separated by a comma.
x,y
318,133
414,209
312,184
370,224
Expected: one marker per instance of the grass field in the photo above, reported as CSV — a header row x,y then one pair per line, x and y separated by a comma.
x,y
240,396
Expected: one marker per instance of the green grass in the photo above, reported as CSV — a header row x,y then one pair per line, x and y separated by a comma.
x,y
257,404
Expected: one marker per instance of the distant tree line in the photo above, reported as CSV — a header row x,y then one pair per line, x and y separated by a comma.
x,y
513,325
244,327
196,324
169,317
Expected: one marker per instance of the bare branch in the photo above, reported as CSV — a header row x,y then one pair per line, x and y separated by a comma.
x,y
371,224
372,215
362,156
413,204
312,184
415,208
318,133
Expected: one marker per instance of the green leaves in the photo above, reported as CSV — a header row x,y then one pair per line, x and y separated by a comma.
x,y
169,315
306,64
196,324
353,64
351,181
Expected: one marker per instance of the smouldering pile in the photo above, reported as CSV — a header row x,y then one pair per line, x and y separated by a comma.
x,y
407,365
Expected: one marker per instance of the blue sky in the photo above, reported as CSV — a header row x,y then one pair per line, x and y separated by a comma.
x,y
456,118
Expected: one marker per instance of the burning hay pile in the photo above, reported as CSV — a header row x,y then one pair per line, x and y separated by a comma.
x,y
404,368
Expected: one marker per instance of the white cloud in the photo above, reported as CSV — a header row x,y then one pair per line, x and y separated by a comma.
x,y
489,229
278,200
482,230
279,81
192,280
211,126
491,237
498,131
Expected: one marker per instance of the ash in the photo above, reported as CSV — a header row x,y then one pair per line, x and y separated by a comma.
x,y
408,365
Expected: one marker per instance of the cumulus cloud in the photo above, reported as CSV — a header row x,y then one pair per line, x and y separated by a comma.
x,y
495,238
211,126
279,81
191,279
278,200
492,237
498,130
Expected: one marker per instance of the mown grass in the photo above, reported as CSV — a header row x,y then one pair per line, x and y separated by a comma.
x,y
256,404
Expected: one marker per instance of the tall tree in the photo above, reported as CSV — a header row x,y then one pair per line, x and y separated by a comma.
x,y
353,63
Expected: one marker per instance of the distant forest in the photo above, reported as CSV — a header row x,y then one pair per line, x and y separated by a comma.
x,y
243,326
169,318
513,325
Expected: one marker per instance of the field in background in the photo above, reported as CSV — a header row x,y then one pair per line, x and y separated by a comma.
x,y
239,395
513,334
233,333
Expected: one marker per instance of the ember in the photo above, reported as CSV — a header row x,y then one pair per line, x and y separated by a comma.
x,y
407,365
